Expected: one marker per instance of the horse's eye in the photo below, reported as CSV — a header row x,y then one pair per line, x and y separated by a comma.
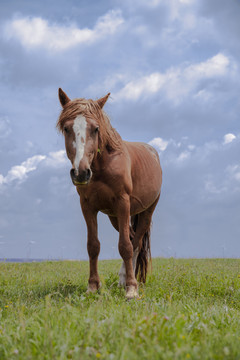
x,y
65,129
96,130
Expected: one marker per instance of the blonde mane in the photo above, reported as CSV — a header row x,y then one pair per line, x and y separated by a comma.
x,y
108,136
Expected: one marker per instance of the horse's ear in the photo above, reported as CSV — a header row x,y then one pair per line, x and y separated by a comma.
x,y
63,98
101,102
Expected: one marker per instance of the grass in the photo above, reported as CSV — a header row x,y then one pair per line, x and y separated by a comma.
x,y
188,309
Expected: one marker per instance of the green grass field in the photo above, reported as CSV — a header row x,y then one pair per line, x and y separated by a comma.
x,y
188,309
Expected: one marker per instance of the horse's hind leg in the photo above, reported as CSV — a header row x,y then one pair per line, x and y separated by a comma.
x,y
122,271
114,222
142,229
140,226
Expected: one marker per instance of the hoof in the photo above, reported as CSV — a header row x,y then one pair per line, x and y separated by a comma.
x,y
132,292
92,288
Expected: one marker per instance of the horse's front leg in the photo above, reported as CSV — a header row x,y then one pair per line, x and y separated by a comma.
x,y
93,247
125,246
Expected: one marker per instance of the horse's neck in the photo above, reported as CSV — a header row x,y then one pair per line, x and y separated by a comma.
x,y
101,162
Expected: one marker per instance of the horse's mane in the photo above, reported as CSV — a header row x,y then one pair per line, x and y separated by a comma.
x,y
108,136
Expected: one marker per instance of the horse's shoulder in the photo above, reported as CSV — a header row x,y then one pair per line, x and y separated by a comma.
x,y
114,163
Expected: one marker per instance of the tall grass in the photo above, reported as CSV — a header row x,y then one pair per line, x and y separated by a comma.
x,y
188,309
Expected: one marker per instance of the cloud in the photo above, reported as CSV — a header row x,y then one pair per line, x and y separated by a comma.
x,y
36,32
56,158
20,172
228,138
215,66
174,152
234,172
210,187
177,82
133,90
159,143
183,156
227,181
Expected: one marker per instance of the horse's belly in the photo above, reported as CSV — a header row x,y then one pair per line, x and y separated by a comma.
x,y
108,212
140,203
146,190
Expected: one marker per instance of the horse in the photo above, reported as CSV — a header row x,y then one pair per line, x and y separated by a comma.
x,y
118,178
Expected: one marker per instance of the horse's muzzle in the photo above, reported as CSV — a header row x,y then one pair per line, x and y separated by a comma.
x,y
81,178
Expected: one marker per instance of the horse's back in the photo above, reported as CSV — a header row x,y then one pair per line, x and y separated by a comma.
x,y
146,173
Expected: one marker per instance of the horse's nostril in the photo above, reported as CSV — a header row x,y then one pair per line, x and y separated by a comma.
x,y
88,174
72,173
80,177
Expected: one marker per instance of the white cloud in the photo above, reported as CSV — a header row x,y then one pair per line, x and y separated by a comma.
x,y
177,82
19,172
133,90
56,159
187,2
215,66
210,187
159,143
234,172
228,138
184,156
150,84
203,95
173,4
33,32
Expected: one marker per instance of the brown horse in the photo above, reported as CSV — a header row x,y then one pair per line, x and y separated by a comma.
x,y
119,178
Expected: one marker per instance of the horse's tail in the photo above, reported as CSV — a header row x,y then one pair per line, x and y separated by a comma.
x,y
144,256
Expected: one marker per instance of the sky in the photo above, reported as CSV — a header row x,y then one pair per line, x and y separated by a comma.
x,y
172,67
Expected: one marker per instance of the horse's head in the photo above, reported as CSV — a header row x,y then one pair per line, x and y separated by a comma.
x,y
81,132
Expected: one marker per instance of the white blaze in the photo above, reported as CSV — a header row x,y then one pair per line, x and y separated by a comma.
x,y
79,128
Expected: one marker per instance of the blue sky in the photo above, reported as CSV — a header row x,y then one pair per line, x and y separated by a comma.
x,y
172,67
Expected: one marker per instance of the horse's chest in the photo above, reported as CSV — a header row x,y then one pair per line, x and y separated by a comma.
x,y
101,199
